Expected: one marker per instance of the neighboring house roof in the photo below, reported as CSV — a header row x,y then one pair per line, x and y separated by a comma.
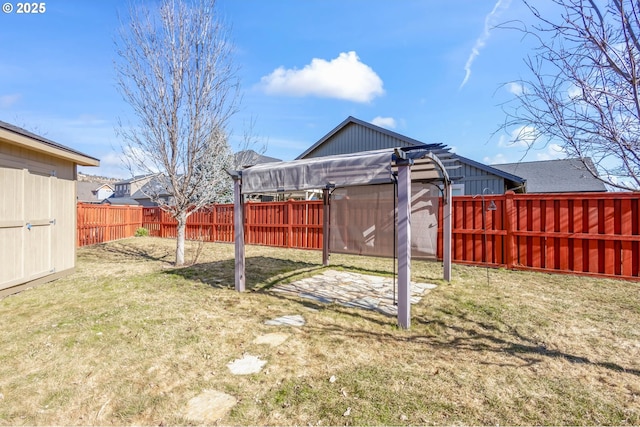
x,y
21,137
156,186
87,191
246,158
555,176
135,179
120,201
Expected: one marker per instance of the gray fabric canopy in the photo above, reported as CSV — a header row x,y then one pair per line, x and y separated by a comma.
x,y
371,167
345,170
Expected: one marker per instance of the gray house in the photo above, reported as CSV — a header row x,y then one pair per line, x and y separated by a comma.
x,y
555,176
470,177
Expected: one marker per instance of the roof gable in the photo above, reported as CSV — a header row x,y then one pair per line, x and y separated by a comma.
x,y
350,122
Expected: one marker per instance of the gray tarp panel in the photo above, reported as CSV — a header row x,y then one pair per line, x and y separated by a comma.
x,y
371,167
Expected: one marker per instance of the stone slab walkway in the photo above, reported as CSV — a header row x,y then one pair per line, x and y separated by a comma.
x,y
352,290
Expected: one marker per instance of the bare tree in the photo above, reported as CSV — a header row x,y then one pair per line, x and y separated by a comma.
x,y
175,70
584,93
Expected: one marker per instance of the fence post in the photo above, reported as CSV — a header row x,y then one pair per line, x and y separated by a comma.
x,y
214,223
107,225
509,222
289,220
326,200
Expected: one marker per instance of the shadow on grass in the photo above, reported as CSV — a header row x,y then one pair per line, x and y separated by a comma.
x,y
260,272
482,336
466,335
461,333
118,250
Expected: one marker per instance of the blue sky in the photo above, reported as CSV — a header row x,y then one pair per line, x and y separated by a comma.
x,y
433,70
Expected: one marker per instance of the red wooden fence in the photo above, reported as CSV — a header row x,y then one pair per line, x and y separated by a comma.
x,y
291,224
102,223
586,233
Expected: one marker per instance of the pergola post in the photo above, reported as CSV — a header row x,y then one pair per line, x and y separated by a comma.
x,y
238,224
404,245
325,226
446,233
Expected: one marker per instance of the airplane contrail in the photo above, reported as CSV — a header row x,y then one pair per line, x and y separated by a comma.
x,y
482,40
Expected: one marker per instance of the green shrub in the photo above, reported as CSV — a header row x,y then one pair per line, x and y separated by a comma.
x,y
142,232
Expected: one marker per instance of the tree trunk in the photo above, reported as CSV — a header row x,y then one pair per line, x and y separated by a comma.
x,y
182,225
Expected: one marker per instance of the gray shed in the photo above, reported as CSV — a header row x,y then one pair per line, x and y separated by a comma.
x,y
37,208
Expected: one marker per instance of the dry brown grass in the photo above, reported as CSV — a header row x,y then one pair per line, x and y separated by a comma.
x,y
129,340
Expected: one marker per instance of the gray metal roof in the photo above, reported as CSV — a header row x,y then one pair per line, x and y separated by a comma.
x,y
555,176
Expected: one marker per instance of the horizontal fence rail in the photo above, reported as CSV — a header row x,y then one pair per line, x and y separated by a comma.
x,y
585,233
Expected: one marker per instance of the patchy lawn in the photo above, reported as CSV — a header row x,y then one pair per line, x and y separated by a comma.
x,y
130,340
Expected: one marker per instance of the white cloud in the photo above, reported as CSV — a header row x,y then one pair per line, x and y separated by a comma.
x,y
552,151
574,92
7,101
515,88
548,152
344,77
111,165
489,22
524,137
495,160
385,122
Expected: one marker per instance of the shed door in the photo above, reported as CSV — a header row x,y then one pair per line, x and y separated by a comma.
x,y
25,227
38,226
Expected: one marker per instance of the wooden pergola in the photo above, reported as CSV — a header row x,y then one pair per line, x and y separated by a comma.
x,y
398,165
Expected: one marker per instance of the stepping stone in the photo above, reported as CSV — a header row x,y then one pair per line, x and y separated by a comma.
x,y
247,365
209,407
290,320
274,339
